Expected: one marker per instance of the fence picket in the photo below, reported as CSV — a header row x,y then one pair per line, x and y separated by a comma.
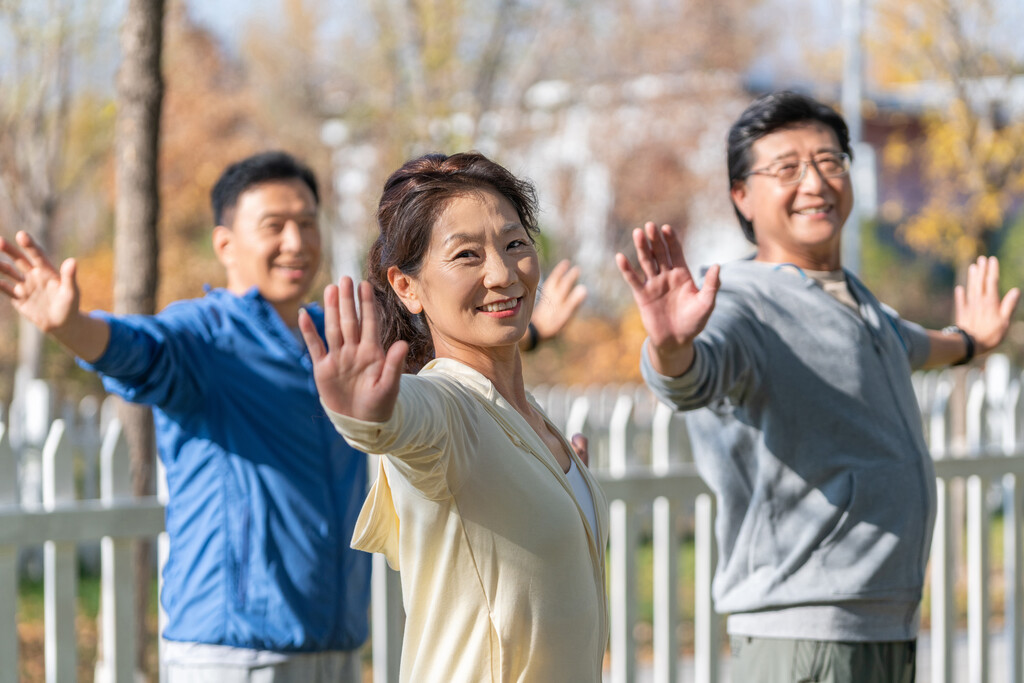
x,y
1013,513
117,578
60,568
622,540
707,644
666,557
978,524
8,567
626,428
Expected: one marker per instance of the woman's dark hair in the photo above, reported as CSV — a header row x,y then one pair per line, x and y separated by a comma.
x,y
246,173
764,116
414,198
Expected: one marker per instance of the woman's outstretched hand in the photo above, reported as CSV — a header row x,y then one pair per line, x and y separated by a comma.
x,y
354,375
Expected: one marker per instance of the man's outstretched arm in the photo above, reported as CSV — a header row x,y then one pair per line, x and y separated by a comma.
x,y
49,298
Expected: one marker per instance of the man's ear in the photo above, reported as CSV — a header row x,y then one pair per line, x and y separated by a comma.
x,y
222,245
406,289
741,199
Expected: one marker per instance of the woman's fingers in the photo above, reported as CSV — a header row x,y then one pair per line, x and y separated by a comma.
x,y
368,310
347,316
332,328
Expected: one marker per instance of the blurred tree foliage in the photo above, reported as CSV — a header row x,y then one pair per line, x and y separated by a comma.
x,y
971,156
405,78
54,128
402,78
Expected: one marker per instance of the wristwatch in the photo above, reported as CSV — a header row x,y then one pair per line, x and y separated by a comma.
x,y
968,342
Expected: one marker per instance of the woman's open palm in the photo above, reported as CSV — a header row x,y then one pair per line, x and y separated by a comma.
x,y
354,375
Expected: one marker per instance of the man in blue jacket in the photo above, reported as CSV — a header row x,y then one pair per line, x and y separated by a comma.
x,y
264,493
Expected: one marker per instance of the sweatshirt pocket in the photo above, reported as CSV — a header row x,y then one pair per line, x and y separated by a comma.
x,y
793,532
875,549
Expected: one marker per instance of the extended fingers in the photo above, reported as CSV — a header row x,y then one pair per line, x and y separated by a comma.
x,y
33,254
1009,303
368,310
991,284
659,247
394,363
332,328
10,271
711,283
561,276
644,253
673,246
348,320
13,252
628,274
311,336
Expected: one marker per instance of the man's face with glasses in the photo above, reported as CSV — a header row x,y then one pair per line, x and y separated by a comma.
x,y
797,195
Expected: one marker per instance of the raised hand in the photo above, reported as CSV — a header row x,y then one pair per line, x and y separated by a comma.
x,y
559,300
673,309
354,376
979,310
48,298
45,297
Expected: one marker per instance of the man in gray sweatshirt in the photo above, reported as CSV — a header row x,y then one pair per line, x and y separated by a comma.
x,y
801,411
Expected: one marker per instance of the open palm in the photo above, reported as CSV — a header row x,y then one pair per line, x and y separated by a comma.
x,y
979,308
45,297
673,309
354,375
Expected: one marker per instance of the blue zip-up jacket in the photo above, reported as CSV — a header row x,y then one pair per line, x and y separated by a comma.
x,y
264,493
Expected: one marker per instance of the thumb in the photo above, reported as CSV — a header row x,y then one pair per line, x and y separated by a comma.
x,y
1009,303
68,272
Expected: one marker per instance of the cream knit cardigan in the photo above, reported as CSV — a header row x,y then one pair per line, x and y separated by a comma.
x,y
502,577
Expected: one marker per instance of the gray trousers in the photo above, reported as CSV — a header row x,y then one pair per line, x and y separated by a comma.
x,y
317,667
778,660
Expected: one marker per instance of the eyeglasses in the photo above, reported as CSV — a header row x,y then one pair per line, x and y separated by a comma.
x,y
829,165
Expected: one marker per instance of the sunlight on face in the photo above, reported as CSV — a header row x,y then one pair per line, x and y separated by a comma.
x,y
273,243
801,223
478,279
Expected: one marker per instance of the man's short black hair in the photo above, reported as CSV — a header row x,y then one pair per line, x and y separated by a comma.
x,y
259,168
764,116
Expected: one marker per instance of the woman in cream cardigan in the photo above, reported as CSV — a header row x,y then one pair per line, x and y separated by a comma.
x,y
495,524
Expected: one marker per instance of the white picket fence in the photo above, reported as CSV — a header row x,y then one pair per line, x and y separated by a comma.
x,y
641,454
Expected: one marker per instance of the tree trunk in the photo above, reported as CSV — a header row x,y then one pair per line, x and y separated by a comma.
x,y
139,96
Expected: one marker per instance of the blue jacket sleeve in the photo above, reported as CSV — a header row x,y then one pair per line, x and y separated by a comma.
x,y
154,360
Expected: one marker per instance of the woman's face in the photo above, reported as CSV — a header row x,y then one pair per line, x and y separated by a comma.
x,y
478,279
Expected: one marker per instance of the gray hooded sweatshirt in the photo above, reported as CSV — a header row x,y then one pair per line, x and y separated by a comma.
x,y
805,425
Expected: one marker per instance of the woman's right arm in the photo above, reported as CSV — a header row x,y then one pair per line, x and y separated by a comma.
x,y
354,375
359,387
